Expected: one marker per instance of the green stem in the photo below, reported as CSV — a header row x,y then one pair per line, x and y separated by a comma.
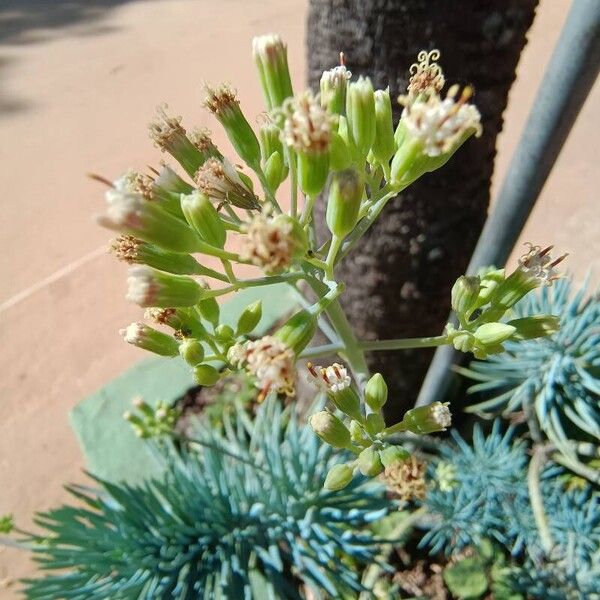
x,y
401,344
241,284
267,190
235,219
307,212
537,502
229,271
291,156
336,242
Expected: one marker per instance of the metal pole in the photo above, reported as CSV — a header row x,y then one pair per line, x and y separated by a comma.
x,y
567,81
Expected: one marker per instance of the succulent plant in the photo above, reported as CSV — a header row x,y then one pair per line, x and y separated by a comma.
x,y
555,378
246,517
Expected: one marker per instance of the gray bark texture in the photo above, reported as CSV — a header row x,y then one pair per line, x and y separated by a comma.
x,y
400,276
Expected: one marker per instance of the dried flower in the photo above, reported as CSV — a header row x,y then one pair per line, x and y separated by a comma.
x,y
406,478
538,263
334,378
269,360
442,124
427,76
219,180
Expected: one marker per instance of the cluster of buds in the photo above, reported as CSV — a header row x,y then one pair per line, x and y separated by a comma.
x,y
365,435
152,422
481,303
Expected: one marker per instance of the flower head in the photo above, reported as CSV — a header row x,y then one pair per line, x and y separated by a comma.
x,y
141,335
427,76
269,360
165,130
538,263
307,127
125,248
133,181
149,287
334,378
441,124
220,100
220,181
406,478
200,137
269,243
428,419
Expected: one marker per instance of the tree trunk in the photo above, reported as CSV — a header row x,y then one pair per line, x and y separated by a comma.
x,y
399,277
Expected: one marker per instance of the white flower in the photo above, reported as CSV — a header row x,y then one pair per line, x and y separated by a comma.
x,y
270,361
441,414
268,243
307,127
125,210
334,378
134,333
440,124
133,181
142,287
538,263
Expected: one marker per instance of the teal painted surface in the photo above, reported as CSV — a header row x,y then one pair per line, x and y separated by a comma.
x,y
110,448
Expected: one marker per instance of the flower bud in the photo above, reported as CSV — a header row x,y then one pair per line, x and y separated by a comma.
x,y
169,135
275,171
204,218
223,103
270,56
143,336
358,435
192,351
465,292
209,309
224,333
133,251
393,454
330,429
149,287
338,478
269,138
134,215
374,423
369,462
206,375
298,331
249,318
313,169
333,85
360,112
428,419
340,156
536,326
384,145
490,279
343,204
376,392
348,402
493,333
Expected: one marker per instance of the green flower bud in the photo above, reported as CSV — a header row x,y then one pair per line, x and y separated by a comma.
x,y
405,164
206,375
384,145
338,478
512,289
347,400
131,250
393,454
149,287
225,106
490,279
298,331
360,112
270,56
401,133
358,435
343,205
330,429
249,318
340,156
374,423
313,169
428,419
536,326
275,171
192,351
224,333
132,214
334,84
463,341
143,336
204,218
493,333
270,140
169,135
369,462
465,292
376,392
209,309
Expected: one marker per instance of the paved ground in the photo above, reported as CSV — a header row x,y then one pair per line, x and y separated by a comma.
x,y
78,84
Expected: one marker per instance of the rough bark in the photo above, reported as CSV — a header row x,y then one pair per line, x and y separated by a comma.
x,y
399,278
